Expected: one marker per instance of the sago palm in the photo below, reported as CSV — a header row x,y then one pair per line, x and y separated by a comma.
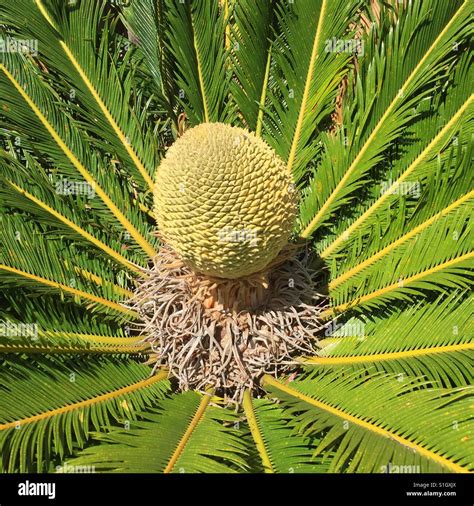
x,y
236,236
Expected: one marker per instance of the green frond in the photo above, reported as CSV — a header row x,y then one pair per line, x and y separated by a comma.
x,y
413,263
173,438
94,72
395,76
251,36
61,212
196,32
421,267
352,411
38,341
453,273
415,173
70,400
148,25
50,314
30,105
431,340
28,258
306,75
281,448
405,238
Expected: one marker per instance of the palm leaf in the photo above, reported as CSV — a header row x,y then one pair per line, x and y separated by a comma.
x,y
44,115
70,399
307,76
93,75
431,340
419,53
47,341
352,410
173,439
148,25
251,38
56,210
195,33
281,448
27,258
412,262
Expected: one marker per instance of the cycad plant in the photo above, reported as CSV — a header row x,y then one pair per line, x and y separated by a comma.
x,y
236,236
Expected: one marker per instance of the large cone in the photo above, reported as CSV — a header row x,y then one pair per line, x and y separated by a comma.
x,y
224,201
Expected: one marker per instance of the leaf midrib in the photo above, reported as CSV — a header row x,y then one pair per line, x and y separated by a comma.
x,y
387,356
256,433
206,398
118,131
68,289
306,90
145,245
107,249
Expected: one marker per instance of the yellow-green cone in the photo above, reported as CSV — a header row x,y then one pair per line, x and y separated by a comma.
x,y
224,201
